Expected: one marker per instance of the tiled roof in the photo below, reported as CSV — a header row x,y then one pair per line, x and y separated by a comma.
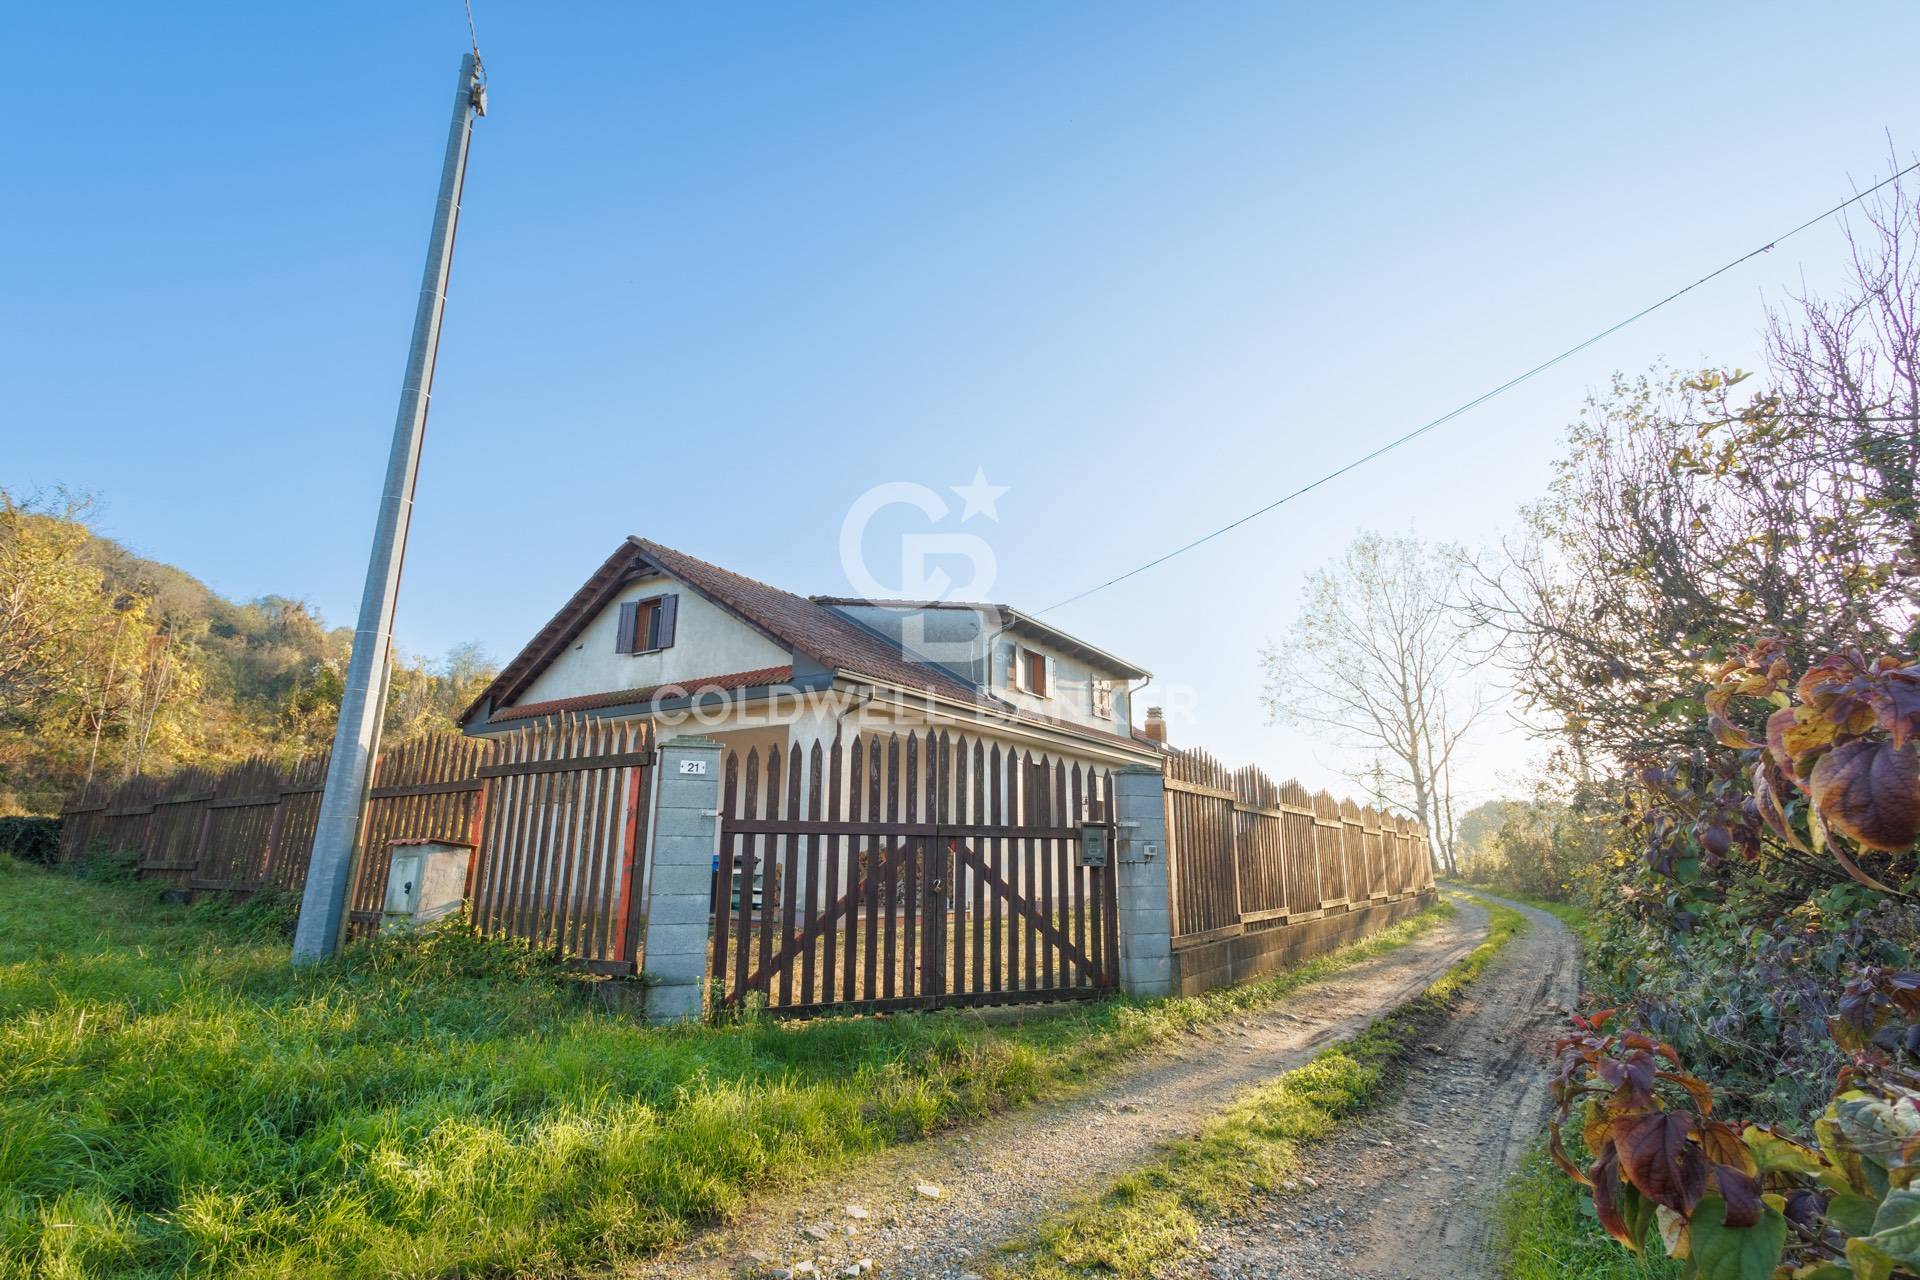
x,y
806,627
624,697
814,630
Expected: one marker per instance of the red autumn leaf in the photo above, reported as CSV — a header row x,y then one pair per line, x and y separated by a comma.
x,y
1724,1145
1766,802
1895,698
1870,791
1741,1191
1558,1150
1606,1196
1828,679
1633,1077
1658,1158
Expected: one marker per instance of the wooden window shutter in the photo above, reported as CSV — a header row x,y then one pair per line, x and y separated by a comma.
x,y
1016,678
664,617
623,639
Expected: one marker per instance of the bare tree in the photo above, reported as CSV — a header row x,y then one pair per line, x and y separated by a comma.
x,y
1696,511
1378,658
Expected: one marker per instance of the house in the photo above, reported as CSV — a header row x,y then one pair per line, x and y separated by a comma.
x,y
695,648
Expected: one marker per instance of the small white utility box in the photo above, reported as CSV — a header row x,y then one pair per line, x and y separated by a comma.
x,y
426,880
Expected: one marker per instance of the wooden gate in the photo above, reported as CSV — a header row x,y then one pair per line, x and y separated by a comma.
x,y
910,872
561,862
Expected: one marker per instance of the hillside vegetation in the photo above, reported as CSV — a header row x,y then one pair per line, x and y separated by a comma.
x,y
115,664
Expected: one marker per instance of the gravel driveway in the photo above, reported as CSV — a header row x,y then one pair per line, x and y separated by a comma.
x,y
943,1206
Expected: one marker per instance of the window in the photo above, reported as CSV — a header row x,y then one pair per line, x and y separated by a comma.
x,y
1102,698
646,625
1034,672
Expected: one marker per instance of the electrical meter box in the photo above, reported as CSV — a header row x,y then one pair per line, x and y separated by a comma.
x,y
1093,844
426,881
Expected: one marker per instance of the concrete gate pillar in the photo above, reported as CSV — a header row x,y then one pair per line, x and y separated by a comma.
x,y
1142,881
686,838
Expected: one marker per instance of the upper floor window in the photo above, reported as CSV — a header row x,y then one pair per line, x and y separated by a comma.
x,y
1102,698
647,625
1031,672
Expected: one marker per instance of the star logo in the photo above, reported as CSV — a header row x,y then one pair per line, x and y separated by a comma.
x,y
979,498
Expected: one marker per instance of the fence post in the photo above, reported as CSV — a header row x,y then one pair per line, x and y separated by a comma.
x,y
679,910
1143,881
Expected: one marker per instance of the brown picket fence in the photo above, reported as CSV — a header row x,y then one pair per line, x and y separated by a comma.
x,y
565,814
551,810
1246,853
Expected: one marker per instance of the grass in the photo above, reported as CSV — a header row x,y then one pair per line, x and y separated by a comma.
x,y
1155,1213
1548,1232
175,1099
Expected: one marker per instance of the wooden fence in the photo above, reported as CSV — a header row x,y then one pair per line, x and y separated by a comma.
x,y
1246,853
560,852
552,810
911,871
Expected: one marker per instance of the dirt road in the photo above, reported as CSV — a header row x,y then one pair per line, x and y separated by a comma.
x,y
1405,1194
995,1181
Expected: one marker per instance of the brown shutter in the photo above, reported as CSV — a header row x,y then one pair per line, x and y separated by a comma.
x,y
664,616
623,638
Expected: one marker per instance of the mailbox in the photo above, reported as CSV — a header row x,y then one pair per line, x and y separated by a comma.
x,y
1093,844
426,881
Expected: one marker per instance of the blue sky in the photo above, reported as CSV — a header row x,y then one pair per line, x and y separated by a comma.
x,y
723,268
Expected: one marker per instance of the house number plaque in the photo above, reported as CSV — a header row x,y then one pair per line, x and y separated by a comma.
x,y
693,766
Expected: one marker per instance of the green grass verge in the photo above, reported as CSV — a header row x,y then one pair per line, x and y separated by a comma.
x,y
175,1098
1548,1232
1155,1213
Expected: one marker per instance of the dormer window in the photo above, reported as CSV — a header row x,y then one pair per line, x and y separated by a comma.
x,y
647,625
1102,698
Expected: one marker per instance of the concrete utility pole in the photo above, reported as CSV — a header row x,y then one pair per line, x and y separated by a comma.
x,y
363,703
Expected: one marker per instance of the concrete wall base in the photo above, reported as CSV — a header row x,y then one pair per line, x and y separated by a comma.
x,y
1213,965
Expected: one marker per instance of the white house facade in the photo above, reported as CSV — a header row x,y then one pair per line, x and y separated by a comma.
x,y
697,649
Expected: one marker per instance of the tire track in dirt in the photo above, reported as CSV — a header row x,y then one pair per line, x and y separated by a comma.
x,y
1407,1193
999,1178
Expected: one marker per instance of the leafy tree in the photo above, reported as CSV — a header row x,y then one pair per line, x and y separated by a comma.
x,y
111,664
1549,846
1480,822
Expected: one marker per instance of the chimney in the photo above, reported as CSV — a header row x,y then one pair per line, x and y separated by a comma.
x,y
1156,726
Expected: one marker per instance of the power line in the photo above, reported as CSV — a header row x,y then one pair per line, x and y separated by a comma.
x,y
1481,399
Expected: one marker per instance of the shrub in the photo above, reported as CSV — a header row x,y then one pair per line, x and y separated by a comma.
x,y
1741,1201
34,840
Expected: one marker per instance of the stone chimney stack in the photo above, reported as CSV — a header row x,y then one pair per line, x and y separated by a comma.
x,y
1156,726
